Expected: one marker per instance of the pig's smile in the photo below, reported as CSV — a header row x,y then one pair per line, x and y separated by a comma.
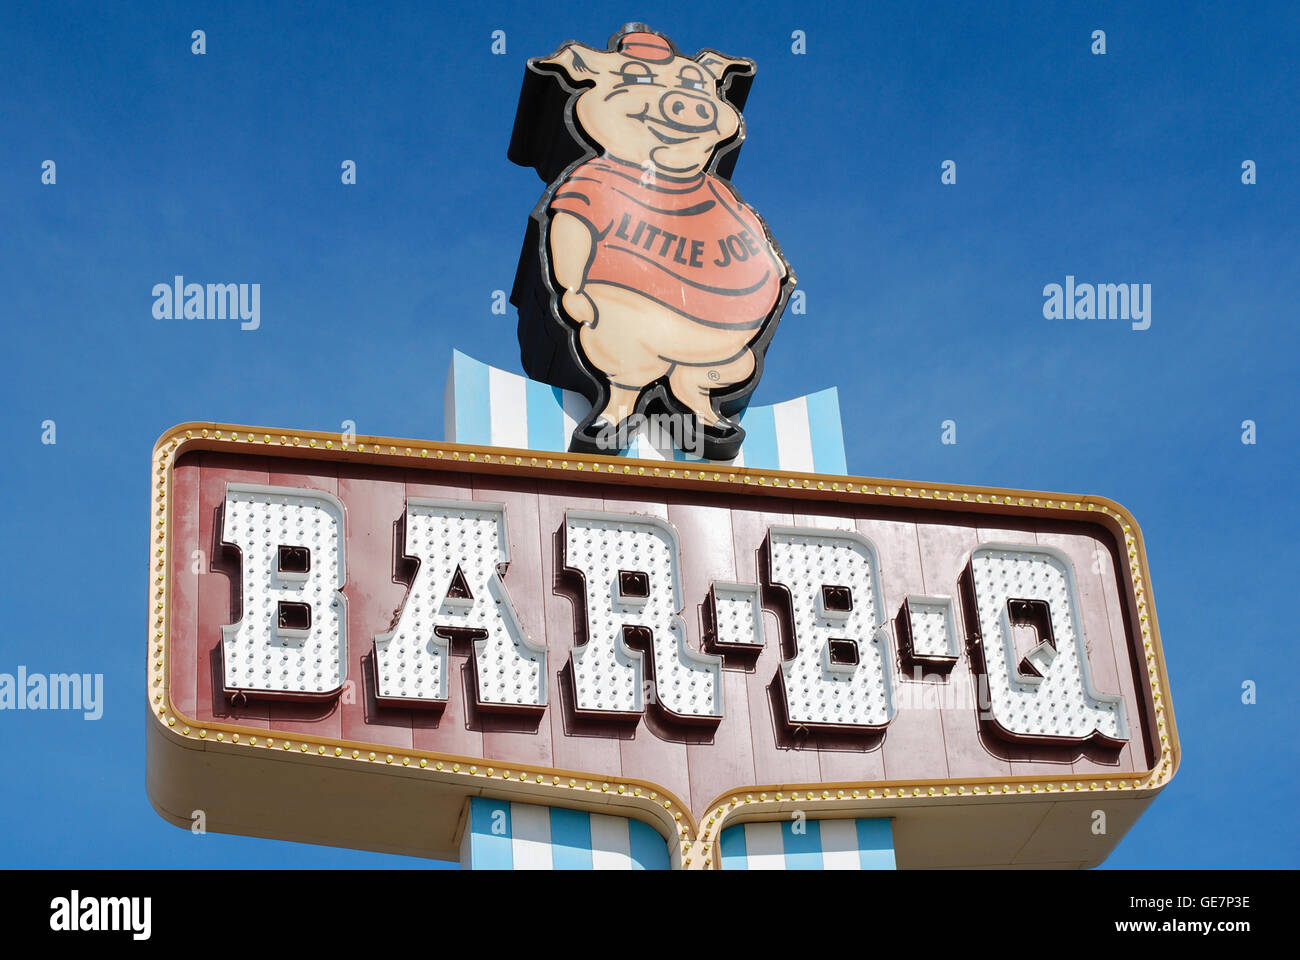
x,y
692,132
664,138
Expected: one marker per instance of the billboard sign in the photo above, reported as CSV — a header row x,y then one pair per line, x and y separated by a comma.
x,y
349,638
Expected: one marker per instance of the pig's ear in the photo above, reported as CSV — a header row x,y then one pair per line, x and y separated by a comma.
x,y
733,75
543,137
719,64
576,61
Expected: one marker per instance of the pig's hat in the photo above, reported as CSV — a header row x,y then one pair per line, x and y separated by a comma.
x,y
643,45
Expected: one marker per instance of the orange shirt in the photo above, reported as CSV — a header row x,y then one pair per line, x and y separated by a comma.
x,y
690,245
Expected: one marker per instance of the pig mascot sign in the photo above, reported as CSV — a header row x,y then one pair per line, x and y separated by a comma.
x,y
645,283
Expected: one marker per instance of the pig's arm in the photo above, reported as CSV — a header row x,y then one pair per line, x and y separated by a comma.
x,y
759,230
571,243
771,250
780,262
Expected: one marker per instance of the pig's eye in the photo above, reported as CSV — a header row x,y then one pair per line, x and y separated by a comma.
x,y
690,78
634,72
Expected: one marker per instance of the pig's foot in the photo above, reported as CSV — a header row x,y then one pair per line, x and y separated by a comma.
x,y
721,440
690,385
693,386
604,431
621,404
706,415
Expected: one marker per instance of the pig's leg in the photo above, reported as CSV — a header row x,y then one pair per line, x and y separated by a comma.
x,y
621,405
691,384
614,353
621,345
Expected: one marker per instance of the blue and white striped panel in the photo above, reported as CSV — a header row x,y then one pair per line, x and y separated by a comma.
x,y
490,407
502,835
809,845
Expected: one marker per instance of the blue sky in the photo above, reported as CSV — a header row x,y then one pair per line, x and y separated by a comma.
x,y
924,304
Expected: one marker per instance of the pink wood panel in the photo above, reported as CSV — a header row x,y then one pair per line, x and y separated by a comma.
x,y
582,745
945,542
853,756
218,584
779,757
375,500
526,737
1130,663
1007,530
920,552
914,744
708,554
725,760
1082,552
658,748
184,594
437,486
322,719
448,730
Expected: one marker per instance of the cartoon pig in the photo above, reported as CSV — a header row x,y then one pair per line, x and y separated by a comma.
x,y
668,284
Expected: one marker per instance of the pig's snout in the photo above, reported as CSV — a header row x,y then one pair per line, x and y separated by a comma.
x,y
686,113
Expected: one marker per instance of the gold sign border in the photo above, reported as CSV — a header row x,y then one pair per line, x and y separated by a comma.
x,y
576,788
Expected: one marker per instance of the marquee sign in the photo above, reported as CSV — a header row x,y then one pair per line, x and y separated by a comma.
x,y
350,639
645,283
532,658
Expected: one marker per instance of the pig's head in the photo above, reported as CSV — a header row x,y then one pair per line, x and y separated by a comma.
x,y
643,102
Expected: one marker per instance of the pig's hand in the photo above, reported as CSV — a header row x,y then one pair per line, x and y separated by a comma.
x,y
579,307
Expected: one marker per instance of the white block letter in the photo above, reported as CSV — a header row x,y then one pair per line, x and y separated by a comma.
x,y
463,550
1045,689
291,639
840,674
632,588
